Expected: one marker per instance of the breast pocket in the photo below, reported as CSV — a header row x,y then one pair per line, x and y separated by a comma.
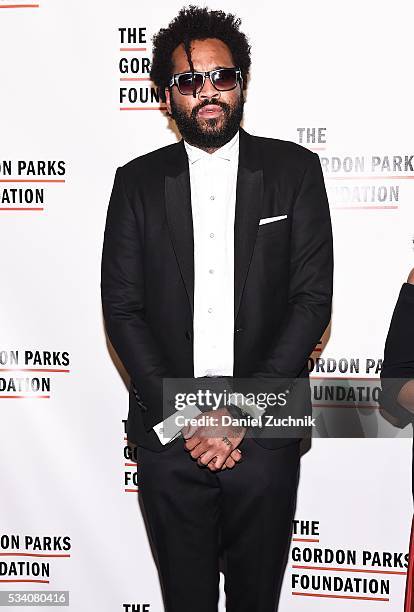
x,y
272,228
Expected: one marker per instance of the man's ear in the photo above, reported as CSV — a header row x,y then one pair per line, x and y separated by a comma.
x,y
410,278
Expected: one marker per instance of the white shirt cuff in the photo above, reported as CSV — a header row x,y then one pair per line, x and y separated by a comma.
x,y
190,411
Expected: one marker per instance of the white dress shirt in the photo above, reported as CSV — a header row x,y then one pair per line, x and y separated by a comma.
x,y
213,179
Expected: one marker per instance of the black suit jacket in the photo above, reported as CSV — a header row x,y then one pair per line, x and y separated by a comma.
x,y
282,270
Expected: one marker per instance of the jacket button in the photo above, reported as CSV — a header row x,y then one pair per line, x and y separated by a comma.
x,y
188,335
239,329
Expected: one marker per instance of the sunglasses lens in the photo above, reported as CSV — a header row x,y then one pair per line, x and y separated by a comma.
x,y
225,79
187,81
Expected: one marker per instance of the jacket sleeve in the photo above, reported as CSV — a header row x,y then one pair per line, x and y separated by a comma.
x,y
398,364
123,303
311,279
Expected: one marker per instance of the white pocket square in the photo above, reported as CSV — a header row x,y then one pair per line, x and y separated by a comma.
x,y
271,219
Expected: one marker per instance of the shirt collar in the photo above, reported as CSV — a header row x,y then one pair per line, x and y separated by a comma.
x,y
227,151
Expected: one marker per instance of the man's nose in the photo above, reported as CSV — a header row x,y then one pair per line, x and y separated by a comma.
x,y
208,91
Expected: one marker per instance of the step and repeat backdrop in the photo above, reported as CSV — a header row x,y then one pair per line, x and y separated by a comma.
x,y
76,103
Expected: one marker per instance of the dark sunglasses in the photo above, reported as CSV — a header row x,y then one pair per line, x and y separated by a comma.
x,y
223,79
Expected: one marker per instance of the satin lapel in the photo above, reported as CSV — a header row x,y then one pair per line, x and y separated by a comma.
x,y
249,196
179,215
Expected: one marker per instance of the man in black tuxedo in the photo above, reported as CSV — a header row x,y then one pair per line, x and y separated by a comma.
x,y
217,262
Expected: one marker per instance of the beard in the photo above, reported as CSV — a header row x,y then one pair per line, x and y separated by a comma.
x,y
209,133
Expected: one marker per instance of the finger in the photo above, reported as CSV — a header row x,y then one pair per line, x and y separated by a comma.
x,y
206,457
199,450
212,467
230,463
212,464
220,460
192,443
236,455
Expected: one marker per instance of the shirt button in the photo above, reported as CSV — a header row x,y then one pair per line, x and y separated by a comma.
x,y
212,197
211,271
211,235
210,309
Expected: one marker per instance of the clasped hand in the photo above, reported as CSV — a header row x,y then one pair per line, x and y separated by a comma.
x,y
205,442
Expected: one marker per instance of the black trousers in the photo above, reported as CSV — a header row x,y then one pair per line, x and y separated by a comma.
x,y
243,516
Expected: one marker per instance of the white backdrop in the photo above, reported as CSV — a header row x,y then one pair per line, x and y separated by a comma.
x,y
340,71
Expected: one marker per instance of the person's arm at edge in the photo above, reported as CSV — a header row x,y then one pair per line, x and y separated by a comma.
x,y
397,394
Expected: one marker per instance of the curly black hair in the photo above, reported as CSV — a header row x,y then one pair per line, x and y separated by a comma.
x,y
196,23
